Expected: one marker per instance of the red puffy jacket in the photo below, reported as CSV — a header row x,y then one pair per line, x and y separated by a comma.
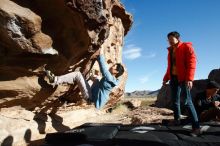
x,y
185,62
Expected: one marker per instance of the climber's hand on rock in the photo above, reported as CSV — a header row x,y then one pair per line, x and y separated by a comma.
x,y
101,51
96,54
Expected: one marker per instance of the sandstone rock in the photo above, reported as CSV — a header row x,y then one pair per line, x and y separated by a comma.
x,y
86,27
59,35
24,127
20,30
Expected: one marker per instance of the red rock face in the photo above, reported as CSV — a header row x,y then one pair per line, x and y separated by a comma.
x,y
61,35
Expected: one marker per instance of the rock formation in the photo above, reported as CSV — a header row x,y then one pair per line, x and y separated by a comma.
x,y
164,98
21,31
59,35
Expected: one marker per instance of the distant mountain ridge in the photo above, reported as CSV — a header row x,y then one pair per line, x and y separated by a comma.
x,y
142,94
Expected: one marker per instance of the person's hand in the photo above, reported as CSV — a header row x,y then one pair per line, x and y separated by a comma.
x,y
165,82
101,51
189,84
216,103
96,54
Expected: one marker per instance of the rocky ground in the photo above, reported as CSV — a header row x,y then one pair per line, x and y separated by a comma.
x,y
29,128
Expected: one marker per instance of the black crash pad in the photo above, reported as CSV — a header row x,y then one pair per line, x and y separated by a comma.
x,y
95,134
92,134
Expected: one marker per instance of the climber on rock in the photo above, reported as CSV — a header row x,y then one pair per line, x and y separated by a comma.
x,y
99,92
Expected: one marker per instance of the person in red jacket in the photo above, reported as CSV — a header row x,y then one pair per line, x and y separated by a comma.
x,y
180,72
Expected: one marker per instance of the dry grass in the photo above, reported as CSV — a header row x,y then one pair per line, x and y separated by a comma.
x,y
145,101
148,101
120,109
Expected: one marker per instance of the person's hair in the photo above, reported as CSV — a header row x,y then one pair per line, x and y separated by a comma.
x,y
174,34
212,85
120,69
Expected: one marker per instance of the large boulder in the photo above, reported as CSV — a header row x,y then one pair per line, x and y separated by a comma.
x,y
20,31
164,97
59,35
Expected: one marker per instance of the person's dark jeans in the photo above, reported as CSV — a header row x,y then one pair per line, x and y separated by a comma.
x,y
176,89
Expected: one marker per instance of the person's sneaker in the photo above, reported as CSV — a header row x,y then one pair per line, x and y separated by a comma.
x,y
50,76
196,132
199,131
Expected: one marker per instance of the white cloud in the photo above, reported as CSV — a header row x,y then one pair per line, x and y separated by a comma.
x,y
132,52
151,55
146,78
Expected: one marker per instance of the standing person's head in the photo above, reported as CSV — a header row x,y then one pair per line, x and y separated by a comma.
x,y
212,88
117,70
173,38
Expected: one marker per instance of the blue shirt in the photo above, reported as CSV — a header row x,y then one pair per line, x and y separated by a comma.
x,y
100,93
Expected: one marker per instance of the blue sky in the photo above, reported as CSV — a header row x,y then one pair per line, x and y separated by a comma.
x,y
145,53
